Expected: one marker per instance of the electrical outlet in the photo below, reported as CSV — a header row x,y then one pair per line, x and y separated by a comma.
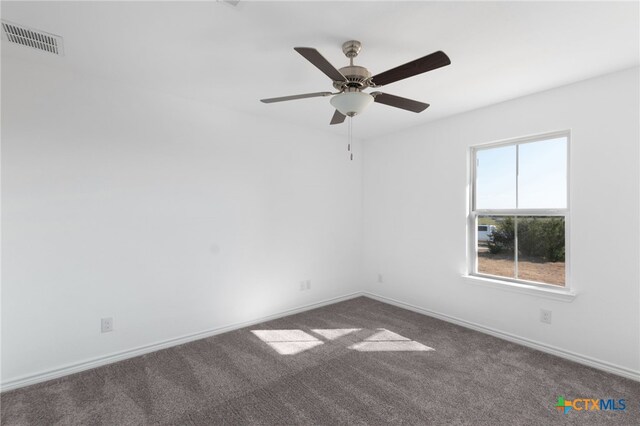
x,y
106,325
308,284
545,316
380,278
302,286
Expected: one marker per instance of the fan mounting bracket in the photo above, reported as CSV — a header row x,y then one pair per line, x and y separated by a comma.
x,y
351,48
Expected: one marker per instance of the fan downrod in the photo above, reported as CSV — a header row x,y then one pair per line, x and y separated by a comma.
x,y
358,77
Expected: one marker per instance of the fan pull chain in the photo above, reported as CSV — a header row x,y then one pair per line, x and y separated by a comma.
x,y
350,138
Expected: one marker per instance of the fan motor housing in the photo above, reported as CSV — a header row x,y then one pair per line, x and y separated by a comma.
x,y
357,77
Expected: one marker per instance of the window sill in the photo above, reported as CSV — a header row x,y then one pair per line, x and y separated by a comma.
x,y
547,293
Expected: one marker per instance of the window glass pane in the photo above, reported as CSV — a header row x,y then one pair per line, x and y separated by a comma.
x,y
496,178
541,249
495,246
542,174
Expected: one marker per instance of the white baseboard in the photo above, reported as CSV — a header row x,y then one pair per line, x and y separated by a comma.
x,y
543,347
88,364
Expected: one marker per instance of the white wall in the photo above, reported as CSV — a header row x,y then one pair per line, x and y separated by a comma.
x,y
170,216
175,217
415,209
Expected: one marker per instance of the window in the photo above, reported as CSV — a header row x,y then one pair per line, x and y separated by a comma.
x,y
519,210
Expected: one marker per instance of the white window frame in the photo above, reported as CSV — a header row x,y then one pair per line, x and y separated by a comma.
x,y
474,213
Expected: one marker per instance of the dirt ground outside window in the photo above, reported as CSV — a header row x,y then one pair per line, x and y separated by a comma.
x,y
529,269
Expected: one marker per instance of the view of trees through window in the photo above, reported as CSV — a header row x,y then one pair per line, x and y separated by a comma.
x,y
537,254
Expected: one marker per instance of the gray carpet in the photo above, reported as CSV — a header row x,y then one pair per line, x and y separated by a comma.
x,y
366,363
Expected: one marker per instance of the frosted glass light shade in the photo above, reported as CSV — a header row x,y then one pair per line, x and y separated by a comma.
x,y
351,103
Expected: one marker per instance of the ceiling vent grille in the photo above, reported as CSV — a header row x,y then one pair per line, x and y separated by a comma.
x,y
231,2
29,37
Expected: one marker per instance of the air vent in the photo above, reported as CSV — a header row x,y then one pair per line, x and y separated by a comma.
x,y
29,37
231,2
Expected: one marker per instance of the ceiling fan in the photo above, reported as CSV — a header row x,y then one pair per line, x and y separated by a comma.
x,y
350,100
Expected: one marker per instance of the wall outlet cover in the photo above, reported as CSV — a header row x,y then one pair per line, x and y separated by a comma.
x,y
106,325
545,316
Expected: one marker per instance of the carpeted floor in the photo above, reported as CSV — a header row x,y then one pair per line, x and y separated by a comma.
x,y
355,362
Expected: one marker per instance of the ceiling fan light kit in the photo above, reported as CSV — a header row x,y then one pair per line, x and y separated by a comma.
x,y
351,103
350,100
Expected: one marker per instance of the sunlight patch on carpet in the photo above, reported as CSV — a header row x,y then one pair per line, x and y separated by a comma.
x,y
334,333
388,341
390,346
288,342
384,335
292,342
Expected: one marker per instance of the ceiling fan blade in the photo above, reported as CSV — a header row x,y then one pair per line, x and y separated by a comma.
x,y
313,56
426,63
398,102
293,97
338,117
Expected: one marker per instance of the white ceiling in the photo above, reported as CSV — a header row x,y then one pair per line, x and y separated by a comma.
x,y
234,56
